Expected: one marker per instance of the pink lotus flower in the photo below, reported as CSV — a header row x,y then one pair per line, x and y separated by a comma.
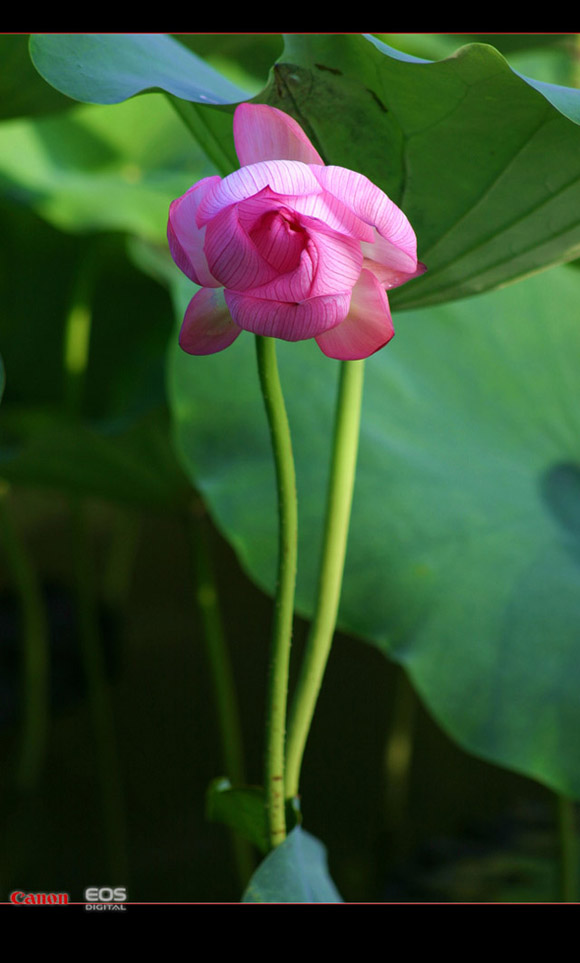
x,y
289,248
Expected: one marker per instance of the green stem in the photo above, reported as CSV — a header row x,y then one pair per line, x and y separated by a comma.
x,y
568,849
194,119
284,605
339,501
36,651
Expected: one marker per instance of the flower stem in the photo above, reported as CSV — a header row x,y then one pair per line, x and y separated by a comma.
x,y
338,507
284,606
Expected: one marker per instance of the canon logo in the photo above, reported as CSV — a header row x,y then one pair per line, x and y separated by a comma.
x,y
39,899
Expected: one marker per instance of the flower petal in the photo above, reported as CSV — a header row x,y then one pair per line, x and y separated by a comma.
x,y
290,321
323,206
367,327
373,206
332,212
330,264
283,177
264,133
186,239
232,256
390,277
339,259
207,326
389,263
294,286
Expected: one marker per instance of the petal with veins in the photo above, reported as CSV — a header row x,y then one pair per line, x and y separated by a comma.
x,y
264,133
186,239
207,326
389,277
282,177
373,206
290,321
330,264
367,327
232,256
390,261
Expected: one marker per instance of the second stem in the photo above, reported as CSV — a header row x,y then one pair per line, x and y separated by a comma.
x,y
338,507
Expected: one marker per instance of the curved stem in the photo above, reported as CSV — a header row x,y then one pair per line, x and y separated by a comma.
x,y
339,501
284,606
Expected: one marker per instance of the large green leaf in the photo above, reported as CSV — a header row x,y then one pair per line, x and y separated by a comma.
x,y
294,872
485,167
243,58
464,553
108,68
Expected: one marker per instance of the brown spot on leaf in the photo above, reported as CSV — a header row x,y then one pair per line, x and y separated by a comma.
x,y
331,70
378,100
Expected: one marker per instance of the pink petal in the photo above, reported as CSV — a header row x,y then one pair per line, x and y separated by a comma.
x,y
390,277
282,257
373,206
207,326
329,264
389,263
232,256
264,133
296,285
186,239
280,238
290,321
323,206
339,259
332,212
367,327
283,177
